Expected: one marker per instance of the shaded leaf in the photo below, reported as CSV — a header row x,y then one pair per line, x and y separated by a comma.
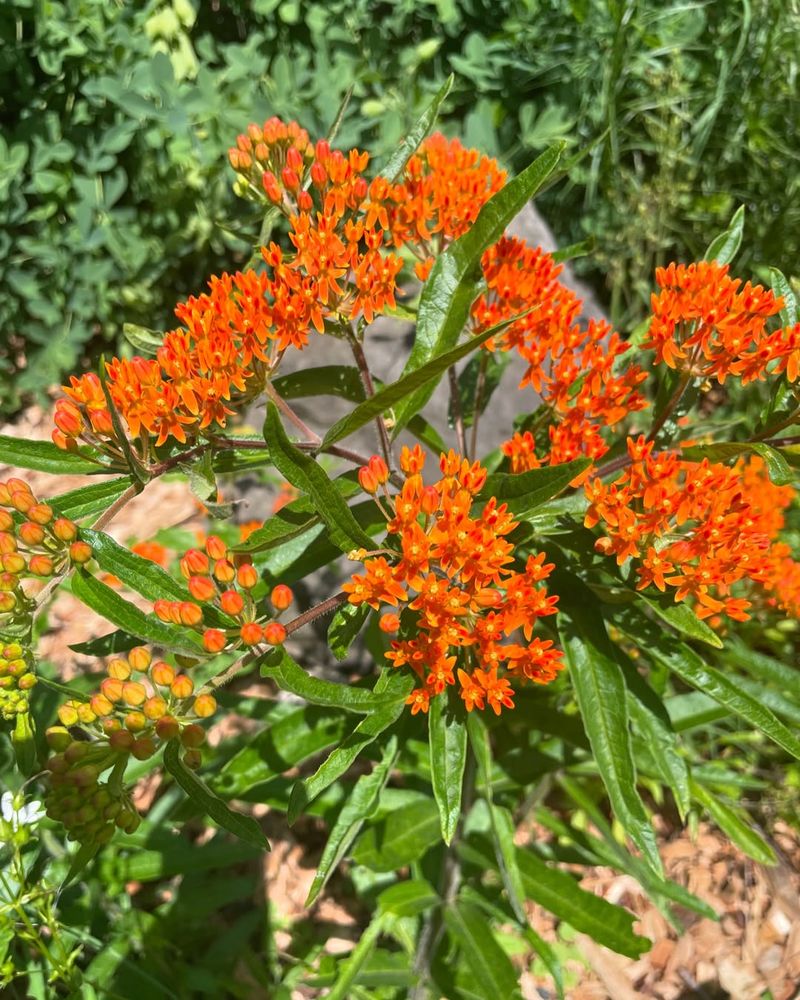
x,y
448,754
724,247
400,838
734,825
493,973
345,626
418,132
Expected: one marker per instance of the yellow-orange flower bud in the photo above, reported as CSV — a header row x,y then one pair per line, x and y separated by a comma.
x,y
40,513
119,669
13,562
224,571
281,597
135,721
64,529
31,533
139,658
189,614
167,728
389,623
162,673
201,588
204,705
182,686
121,739
232,602
112,688
274,633
216,548
143,747
80,552
155,707
133,693
251,633
214,640
247,576
194,563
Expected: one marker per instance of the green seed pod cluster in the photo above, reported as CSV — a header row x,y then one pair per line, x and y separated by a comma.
x,y
17,677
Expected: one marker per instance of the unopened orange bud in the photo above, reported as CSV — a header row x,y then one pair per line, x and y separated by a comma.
x,y
139,658
133,693
135,721
182,686
101,705
293,159
68,418
101,422
80,552
194,563
143,748
193,735
7,602
189,614
13,562
155,707
304,201
163,610
22,501
214,640
232,602
167,728
215,547
162,673
40,565
379,469
244,142
271,187
201,588
255,133
262,152
603,546
40,513
366,477
6,520
251,633
247,576
290,179
31,533
281,597
429,501
111,725
323,150
112,688
8,582
389,623
319,175
224,571
119,669
64,529
488,597
274,633
17,485
204,706
122,740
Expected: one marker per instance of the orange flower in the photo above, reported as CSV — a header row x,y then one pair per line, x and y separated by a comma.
x,y
459,597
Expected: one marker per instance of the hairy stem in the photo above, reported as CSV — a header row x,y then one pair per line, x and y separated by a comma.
x,y
455,407
369,389
476,406
672,402
289,413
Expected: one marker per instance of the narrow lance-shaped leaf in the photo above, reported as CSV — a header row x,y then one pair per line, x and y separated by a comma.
x,y
724,247
127,616
447,740
290,676
88,501
355,961
304,473
416,134
683,661
733,825
386,398
453,282
243,827
782,289
398,686
600,692
493,973
526,491
345,625
44,456
681,618
359,805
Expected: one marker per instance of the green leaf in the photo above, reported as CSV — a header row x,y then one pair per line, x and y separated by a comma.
x,y
146,341
417,133
118,641
447,740
683,661
493,973
549,959
326,380
385,399
734,825
80,860
558,892
243,827
725,246
765,668
526,491
505,851
408,899
345,626
398,685
783,289
127,616
359,805
44,456
581,249
600,692
120,433
402,837
356,960
681,618
87,501
453,282
778,468
304,473
289,676
142,575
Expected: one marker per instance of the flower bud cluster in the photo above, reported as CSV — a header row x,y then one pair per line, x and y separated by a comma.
x,y
34,542
17,677
140,704
218,578
273,157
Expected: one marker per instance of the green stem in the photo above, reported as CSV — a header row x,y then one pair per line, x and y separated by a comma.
x,y
672,402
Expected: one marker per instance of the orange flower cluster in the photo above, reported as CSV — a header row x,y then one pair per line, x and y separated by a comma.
x,y
705,324
574,367
698,528
218,579
450,579
141,703
226,347
442,191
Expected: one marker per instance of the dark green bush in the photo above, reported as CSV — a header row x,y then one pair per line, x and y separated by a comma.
x,y
114,185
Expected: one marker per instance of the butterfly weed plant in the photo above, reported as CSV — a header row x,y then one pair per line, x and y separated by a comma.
x,y
546,623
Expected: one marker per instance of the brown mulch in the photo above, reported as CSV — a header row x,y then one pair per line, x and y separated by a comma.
x,y
753,948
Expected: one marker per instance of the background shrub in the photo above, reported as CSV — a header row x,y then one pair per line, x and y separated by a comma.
x,y
114,186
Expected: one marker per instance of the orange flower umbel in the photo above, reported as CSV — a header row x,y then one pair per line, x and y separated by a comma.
x,y
697,528
705,324
575,368
454,595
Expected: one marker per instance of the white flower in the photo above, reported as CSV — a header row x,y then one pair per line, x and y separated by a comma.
x,y
17,813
